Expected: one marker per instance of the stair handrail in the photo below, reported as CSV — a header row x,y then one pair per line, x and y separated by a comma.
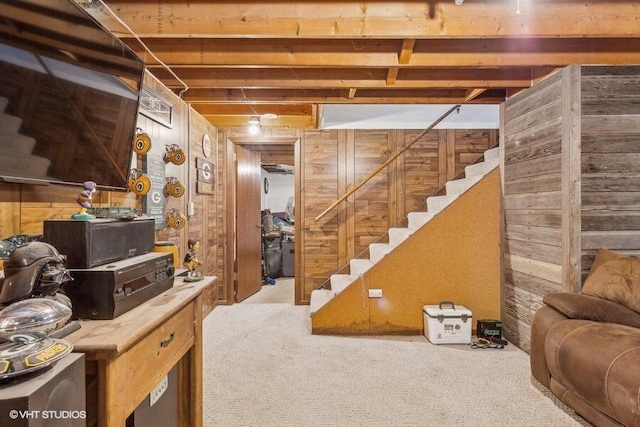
x,y
389,160
403,221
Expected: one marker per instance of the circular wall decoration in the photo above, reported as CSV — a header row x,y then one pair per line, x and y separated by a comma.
x,y
266,186
206,145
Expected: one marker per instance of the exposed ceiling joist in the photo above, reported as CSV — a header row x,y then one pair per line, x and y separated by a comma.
x,y
251,56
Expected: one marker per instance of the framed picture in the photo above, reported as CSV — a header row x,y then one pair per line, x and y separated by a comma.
x,y
204,176
156,108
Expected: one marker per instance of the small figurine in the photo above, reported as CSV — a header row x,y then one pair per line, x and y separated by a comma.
x,y
191,261
84,200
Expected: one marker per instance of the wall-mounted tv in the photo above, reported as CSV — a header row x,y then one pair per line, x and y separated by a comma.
x,y
69,96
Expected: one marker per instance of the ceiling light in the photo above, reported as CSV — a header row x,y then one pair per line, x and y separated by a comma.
x,y
459,2
254,125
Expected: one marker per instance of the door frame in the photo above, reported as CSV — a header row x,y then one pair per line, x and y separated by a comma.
x,y
231,226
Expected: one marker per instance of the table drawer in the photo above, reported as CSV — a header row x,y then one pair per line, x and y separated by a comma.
x,y
151,359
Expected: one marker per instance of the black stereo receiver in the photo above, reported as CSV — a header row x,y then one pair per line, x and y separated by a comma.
x,y
107,291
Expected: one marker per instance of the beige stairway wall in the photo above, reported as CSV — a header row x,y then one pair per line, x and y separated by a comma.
x,y
456,256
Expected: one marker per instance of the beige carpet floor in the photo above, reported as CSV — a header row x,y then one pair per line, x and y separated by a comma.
x,y
263,367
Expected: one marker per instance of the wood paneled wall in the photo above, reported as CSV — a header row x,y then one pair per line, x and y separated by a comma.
x,y
571,178
333,161
610,163
531,143
329,163
23,208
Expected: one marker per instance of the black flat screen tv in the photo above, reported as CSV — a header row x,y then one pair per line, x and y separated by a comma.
x,y
69,96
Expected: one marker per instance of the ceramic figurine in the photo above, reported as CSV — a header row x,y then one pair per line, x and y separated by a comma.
x,y
84,200
191,261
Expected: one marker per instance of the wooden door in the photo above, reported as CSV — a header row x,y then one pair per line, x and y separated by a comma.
x,y
248,235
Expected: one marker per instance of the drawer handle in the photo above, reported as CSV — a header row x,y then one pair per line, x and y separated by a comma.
x,y
166,342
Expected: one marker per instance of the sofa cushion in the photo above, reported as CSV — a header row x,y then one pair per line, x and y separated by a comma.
x,y
598,362
616,278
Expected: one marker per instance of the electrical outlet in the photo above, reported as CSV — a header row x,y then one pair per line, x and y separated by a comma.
x,y
375,293
158,390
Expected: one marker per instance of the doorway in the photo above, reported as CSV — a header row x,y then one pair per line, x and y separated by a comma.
x,y
247,246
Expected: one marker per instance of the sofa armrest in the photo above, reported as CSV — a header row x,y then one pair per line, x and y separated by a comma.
x,y
543,320
586,307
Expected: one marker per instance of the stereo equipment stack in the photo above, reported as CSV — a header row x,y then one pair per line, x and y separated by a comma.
x,y
112,263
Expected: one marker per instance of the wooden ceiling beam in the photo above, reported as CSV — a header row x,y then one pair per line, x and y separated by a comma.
x,y
392,76
473,94
424,19
384,53
255,109
335,96
242,58
407,50
224,120
317,78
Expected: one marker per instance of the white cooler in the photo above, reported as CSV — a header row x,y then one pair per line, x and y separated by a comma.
x,y
447,323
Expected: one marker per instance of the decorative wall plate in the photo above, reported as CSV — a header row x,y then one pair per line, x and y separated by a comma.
x,y
206,145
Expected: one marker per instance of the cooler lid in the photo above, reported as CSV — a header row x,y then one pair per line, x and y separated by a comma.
x,y
446,309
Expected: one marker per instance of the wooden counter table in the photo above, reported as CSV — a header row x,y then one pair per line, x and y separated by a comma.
x,y
128,356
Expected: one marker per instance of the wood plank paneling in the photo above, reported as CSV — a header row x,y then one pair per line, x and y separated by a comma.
x,y
322,164
571,179
371,149
532,173
580,160
610,161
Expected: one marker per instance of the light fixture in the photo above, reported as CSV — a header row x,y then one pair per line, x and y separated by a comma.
x,y
254,125
459,2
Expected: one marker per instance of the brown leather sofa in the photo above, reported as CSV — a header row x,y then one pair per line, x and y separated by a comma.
x,y
586,350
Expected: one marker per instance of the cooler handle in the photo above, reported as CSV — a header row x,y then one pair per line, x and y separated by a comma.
x,y
447,303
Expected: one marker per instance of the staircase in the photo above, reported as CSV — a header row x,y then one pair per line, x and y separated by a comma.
x,y
436,205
